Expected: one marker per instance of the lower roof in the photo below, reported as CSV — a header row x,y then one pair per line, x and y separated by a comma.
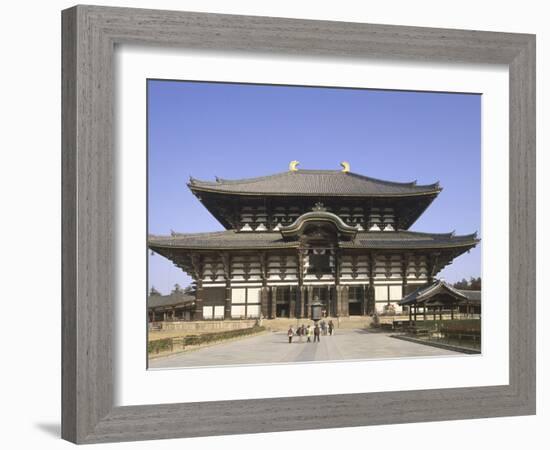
x,y
472,296
170,300
242,240
437,291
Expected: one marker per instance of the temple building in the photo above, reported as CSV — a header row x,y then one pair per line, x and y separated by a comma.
x,y
439,296
300,235
178,305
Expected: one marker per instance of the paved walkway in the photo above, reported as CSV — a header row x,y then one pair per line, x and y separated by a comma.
x,y
274,348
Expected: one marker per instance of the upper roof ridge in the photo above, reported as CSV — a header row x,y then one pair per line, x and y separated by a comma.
x,y
219,181
394,183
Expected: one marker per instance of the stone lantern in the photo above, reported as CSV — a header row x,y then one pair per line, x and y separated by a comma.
x,y
316,310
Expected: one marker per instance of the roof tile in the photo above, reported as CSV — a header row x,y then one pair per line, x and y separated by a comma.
x,y
231,239
314,182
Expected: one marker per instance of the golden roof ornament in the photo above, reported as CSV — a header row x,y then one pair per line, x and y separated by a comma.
x,y
319,206
345,166
293,166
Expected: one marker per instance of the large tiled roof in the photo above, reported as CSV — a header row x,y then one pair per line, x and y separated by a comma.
x,y
231,239
228,239
409,239
314,183
473,296
427,293
156,301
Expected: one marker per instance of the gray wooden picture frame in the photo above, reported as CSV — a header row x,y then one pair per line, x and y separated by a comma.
x,y
90,34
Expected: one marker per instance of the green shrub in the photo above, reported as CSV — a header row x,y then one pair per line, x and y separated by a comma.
x,y
199,339
461,326
206,338
451,328
159,345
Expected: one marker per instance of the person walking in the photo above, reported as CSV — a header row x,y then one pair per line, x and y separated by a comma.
x,y
317,333
330,327
323,327
308,333
290,333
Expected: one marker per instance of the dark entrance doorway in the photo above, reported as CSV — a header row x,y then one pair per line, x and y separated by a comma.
x,y
355,297
285,301
354,308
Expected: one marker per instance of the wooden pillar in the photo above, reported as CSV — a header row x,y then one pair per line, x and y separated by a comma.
x,y
292,302
424,311
264,294
345,301
197,267
405,260
371,301
226,264
329,301
430,267
441,313
339,290
415,311
364,300
432,260
338,300
264,298
410,314
198,301
452,311
227,303
301,294
301,300
308,302
273,304
434,313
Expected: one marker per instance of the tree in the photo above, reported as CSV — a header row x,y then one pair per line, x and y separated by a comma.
x,y
474,284
153,291
462,284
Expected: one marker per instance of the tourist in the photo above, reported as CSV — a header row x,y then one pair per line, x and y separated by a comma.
x,y
316,333
290,333
299,333
330,327
323,327
308,333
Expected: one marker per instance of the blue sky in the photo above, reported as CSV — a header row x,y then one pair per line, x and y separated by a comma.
x,y
238,131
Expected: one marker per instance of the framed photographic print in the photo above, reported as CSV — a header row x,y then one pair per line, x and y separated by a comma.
x,y
261,213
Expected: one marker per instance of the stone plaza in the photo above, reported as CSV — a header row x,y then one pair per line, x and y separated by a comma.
x,y
273,348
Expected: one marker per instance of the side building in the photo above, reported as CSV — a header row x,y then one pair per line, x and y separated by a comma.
x,y
300,235
178,305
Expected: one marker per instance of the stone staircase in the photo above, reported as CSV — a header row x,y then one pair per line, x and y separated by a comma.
x,y
352,322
